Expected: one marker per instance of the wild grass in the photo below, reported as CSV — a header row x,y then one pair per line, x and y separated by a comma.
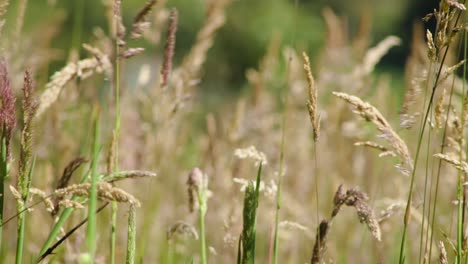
x,y
90,154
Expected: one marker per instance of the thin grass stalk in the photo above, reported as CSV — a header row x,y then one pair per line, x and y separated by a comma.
x,y
426,180
278,194
131,236
428,206
116,134
92,203
465,56
22,219
413,174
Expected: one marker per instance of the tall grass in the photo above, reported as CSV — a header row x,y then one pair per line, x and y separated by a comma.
x,y
155,127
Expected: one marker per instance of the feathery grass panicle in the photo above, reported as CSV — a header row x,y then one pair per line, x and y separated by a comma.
x,y
70,204
372,114
29,107
140,23
251,153
374,55
3,9
82,69
443,253
358,200
130,52
118,27
23,184
132,174
353,198
384,151
192,63
320,242
183,229
312,103
166,66
50,207
459,165
69,170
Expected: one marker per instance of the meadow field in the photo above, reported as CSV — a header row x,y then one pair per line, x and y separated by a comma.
x,y
122,145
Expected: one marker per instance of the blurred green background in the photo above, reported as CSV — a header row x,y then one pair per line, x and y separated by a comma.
x,y
244,39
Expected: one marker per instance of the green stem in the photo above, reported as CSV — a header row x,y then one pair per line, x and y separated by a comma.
x,y
22,217
92,203
202,208
113,231
131,237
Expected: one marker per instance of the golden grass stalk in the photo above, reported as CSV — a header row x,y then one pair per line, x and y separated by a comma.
x,y
82,69
312,103
372,114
